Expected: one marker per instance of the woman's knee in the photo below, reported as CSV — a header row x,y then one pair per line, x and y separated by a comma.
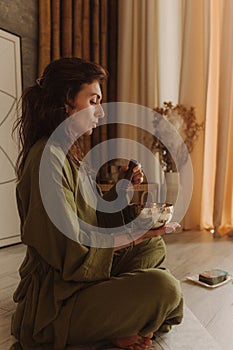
x,y
152,251
163,285
157,245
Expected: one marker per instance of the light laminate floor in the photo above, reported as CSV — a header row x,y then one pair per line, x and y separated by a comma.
x,y
188,253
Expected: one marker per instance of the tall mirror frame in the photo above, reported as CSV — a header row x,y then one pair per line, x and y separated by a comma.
x,y
10,93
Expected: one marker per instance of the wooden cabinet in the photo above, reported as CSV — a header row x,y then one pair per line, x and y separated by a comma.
x,y
141,192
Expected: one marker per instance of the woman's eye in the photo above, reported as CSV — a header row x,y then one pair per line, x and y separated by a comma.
x,y
93,102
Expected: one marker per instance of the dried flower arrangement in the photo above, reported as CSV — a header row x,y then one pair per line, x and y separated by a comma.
x,y
185,122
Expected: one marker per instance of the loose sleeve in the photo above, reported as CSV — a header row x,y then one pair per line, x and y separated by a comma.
x,y
49,221
118,218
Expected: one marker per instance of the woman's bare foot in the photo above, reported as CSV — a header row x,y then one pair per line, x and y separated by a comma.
x,y
134,342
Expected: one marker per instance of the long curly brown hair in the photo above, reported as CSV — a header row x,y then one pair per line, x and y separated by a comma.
x,y
43,105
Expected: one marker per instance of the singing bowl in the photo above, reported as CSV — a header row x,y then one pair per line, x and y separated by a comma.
x,y
158,214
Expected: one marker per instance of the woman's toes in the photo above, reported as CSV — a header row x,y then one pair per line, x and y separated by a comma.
x,y
127,342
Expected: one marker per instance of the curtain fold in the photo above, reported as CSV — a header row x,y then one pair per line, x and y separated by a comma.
x,y
169,51
67,29
81,28
44,51
77,24
193,93
55,29
219,191
137,68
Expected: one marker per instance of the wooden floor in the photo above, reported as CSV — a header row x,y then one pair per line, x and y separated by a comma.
x,y
188,253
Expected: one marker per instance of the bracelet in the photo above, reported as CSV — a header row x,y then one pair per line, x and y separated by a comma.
x,y
132,242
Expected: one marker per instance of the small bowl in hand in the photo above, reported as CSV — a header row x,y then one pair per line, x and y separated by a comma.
x,y
158,214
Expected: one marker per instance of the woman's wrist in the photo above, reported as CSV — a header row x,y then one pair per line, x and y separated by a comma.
x,y
123,241
131,239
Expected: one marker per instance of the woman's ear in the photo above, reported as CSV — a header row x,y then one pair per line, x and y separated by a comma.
x,y
67,108
69,104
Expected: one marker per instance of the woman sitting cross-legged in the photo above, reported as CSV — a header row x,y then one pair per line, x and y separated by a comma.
x,y
73,290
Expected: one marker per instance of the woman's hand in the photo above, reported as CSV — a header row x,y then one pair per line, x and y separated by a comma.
x,y
138,174
147,235
136,237
154,233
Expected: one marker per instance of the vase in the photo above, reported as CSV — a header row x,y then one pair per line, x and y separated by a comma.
x,y
172,184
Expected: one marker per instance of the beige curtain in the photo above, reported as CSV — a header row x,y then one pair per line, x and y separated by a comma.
x,y
217,195
192,90
137,68
188,60
81,28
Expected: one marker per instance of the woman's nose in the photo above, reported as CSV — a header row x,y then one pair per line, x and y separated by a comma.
x,y
99,112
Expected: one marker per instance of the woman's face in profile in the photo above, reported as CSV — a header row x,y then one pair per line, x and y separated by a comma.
x,y
88,102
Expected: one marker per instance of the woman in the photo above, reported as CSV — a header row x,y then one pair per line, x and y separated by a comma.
x,y
72,292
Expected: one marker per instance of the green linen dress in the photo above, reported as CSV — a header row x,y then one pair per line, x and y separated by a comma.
x,y
72,293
